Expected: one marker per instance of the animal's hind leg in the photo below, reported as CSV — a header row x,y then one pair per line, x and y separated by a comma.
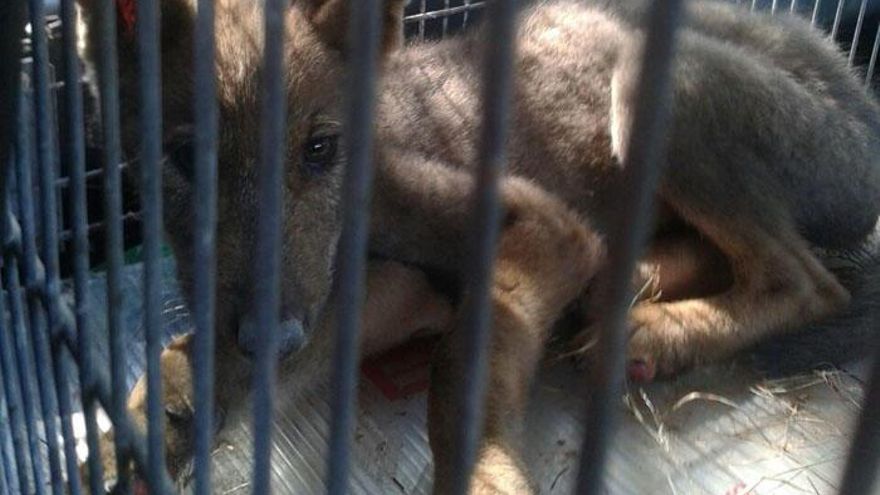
x,y
777,284
545,257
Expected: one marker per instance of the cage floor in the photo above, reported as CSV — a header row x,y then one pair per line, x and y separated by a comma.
x,y
722,430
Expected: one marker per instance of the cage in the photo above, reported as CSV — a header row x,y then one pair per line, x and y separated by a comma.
x,y
62,315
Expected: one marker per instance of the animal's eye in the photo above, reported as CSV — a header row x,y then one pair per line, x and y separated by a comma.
x,y
319,153
182,155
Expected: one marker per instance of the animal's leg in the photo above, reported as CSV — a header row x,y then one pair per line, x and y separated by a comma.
x,y
177,398
544,259
399,303
678,265
777,284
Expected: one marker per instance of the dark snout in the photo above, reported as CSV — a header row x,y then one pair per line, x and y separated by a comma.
x,y
290,334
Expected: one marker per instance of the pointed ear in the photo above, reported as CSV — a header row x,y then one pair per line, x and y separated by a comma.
x,y
330,19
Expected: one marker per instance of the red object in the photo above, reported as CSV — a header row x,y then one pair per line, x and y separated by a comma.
x,y
402,371
126,15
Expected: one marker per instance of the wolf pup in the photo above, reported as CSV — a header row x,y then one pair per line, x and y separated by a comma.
x,y
772,151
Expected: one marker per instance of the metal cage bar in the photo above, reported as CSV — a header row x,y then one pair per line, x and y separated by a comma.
x,y
477,311
12,16
204,251
268,251
860,473
364,34
12,20
28,461
9,483
151,203
642,166
49,343
23,354
872,64
837,16
8,466
108,83
74,150
858,31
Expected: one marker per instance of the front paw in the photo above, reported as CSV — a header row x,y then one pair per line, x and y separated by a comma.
x,y
659,345
498,472
109,470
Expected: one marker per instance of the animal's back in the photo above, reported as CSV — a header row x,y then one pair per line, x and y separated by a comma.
x,y
764,101
778,89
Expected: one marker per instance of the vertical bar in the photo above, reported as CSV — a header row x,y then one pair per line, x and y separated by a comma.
x,y
46,345
205,232
793,7
151,204
74,143
26,370
754,4
815,15
108,85
855,41
268,249
422,9
477,316
12,20
860,473
11,461
75,153
773,7
4,481
445,17
34,279
20,414
65,410
642,166
363,43
872,65
837,17
467,11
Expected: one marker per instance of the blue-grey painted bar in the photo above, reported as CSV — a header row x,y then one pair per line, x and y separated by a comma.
x,y
626,239
860,474
363,47
20,416
74,153
266,298
7,446
477,319
45,159
23,350
108,85
205,252
12,20
48,344
151,203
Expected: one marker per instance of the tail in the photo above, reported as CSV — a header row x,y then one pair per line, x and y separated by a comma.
x,y
847,337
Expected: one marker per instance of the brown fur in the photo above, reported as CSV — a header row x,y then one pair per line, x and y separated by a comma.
x,y
773,149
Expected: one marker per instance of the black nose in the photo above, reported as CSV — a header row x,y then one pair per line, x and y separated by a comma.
x,y
290,334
